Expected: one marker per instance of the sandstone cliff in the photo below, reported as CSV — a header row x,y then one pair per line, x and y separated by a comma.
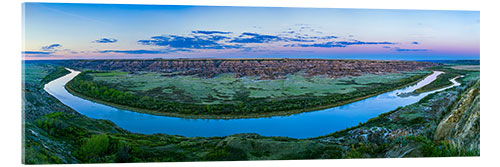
x,y
461,125
263,68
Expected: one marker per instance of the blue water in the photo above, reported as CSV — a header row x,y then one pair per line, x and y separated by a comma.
x,y
304,125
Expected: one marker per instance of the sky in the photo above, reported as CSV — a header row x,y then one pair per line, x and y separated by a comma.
x,y
114,31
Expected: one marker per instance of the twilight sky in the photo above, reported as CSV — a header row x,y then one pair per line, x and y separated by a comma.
x,y
109,31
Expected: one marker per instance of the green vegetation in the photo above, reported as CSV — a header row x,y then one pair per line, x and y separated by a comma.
x,y
451,71
91,84
34,73
441,148
99,141
61,135
456,62
412,129
441,81
58,72
37,103
226,88
467,67
93,141
93,148
42,73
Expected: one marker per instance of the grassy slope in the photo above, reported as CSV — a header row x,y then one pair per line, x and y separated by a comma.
x,y
39,147
68,138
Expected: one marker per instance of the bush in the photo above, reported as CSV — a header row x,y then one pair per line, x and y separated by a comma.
x,y
54,124
442,148
93,148
446,149
122,154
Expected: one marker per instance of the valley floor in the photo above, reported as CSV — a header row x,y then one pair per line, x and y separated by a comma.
x,y
194,97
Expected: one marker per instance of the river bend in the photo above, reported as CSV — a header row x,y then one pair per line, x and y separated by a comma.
x,y
303,125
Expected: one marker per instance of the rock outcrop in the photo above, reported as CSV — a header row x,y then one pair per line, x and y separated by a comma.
x,y
263,68
461,125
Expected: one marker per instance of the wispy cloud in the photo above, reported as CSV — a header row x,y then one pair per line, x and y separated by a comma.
x,y
248,37
363,43
106,40
215,39
210,32
189,42
319,45
409,50
132,51
244,42
142,51
37,52
333,44
51,47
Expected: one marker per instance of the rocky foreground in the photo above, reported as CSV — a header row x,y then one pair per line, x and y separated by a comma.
x,y
264,68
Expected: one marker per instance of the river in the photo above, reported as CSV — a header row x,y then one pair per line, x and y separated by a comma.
x,y
303,125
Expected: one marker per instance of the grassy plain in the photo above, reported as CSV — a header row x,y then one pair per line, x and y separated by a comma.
x,y
226,88
467,67
34,73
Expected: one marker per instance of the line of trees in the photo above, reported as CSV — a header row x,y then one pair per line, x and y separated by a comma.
x,y
85,85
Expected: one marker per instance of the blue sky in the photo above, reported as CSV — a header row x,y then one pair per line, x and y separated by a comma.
x,y
108,31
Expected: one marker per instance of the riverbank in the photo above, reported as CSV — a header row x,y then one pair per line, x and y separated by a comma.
x,y
250,115
441,81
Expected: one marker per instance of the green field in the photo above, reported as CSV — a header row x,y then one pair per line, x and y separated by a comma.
x,y
34,73
226,88
467,67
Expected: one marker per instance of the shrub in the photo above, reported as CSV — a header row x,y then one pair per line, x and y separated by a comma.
x,y
122,154
94,147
